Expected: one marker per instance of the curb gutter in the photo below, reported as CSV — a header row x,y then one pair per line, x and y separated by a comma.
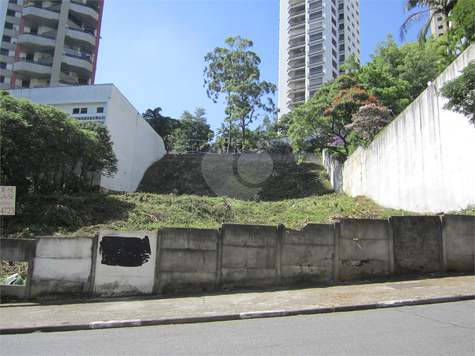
x,y
229,317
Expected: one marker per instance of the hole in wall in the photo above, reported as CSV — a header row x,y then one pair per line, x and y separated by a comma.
x,y
14,273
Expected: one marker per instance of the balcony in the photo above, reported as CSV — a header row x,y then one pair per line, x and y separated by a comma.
x,y
8,45
297,45
37,42
295,3
85,14
297,13
297,77
297,89
296,32
295,24
7,59
81,38
40,16
32,69
293,56
80,65
296,66
13,19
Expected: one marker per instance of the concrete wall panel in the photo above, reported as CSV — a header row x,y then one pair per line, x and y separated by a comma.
x,y
64,247
417,244
459,235
66,269
249,235
248,257
363,249
187,238
246,277
315,234
118,270
188,261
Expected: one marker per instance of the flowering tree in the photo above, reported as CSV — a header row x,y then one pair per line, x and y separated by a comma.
x,y
320,123
369,121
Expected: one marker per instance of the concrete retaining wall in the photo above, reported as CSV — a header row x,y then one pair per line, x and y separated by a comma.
x,y
124,263
421,162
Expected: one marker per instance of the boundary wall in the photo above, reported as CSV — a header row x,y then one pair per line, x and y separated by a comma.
x,y
175,260
422,161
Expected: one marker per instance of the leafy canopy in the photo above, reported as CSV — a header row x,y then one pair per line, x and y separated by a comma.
x,y
44,150
234,72
461,93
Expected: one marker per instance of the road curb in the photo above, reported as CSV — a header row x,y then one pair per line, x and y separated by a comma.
x,y
229,317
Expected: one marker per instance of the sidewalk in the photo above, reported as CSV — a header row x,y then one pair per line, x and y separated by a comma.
x,y
18,318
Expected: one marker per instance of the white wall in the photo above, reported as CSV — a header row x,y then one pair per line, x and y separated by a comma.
x,y
63,259
424,161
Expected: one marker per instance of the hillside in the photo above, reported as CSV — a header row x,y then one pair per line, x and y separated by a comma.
x,y
277,180
175,193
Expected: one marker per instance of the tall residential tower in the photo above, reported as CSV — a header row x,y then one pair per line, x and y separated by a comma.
x,y
316,36
49,43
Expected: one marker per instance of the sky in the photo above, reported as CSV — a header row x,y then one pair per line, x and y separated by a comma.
x,y
153,50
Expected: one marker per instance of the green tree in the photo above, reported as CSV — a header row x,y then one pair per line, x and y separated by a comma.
x,y
397,76
434,9
461,93
461,30
44,150
320,123
234,71
163,125
193,133
369,121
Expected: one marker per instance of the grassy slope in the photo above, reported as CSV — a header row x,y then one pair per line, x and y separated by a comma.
x,y
175,195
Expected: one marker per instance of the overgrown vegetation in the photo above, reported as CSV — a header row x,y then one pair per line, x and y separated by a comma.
x,y
44,150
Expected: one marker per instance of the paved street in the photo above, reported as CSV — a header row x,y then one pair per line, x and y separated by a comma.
x,y
436,329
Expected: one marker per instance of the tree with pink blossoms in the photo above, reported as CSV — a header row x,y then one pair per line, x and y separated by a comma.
x,y
369,121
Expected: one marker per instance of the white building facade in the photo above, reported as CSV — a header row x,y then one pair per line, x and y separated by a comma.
x,y
136,144
316,37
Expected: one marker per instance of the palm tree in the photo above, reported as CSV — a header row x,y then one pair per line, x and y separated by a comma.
x,y
434,9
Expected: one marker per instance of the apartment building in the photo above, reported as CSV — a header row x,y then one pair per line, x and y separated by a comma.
x,y
438,25
316,36
49,43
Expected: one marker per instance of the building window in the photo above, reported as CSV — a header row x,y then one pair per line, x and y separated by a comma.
x,y
6,39
315,15
334,11
342,47
10,13
316,59
334,42
3,65
83,110
334,64
9,26
335,75
342,37
334,53
100,110
315,48
316,70
341,17
439,18
440,27
333,21
313,5
340,7
76,111
341,27
333,31
2,79
315,37
342,58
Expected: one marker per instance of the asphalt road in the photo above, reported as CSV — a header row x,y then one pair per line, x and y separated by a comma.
x,y
437,329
